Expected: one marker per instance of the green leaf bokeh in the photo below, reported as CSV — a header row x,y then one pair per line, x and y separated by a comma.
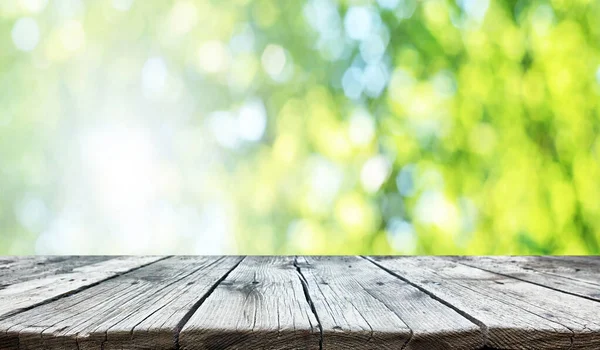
x,y
300,127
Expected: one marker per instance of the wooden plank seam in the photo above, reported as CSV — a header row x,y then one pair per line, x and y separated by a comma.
x,y
190,312
411,334
197,305
77,290
576,318
528,281
479,323
174,303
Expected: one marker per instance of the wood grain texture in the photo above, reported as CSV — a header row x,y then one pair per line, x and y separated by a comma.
x,y
517,314
138,310
360,306
412,303
261,305
16,269
585,259
581,278
27,288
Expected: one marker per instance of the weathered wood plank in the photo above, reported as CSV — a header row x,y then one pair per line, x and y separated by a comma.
x,y
193,303
584,268
142,309
27,291
517,314
261,305
586,259
360,306
575,277
15,269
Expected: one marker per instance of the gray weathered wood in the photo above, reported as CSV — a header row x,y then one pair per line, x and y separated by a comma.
x,y
277,303
517,314
139,310
360,306
585,259
574,277
261,305
25,291
16,269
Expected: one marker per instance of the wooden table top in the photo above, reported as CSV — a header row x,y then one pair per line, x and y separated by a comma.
x,y
305,302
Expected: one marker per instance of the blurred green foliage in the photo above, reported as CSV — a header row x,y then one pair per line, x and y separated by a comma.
x,y
310,127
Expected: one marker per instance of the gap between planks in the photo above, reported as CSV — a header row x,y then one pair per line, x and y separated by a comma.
x,y
179,323
197,305
544,284
194,308
397,316
307,295
77,290
480,324
561,320
477,263
187,316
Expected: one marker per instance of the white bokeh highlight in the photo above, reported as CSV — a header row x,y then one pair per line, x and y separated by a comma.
x,y
25,34
154,77
374,173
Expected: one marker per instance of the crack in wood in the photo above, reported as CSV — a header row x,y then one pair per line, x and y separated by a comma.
x,y
309,300
416,303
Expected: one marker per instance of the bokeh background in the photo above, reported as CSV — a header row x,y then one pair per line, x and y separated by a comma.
x,y
302,126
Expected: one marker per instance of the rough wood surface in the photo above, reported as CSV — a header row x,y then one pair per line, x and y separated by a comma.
x,y
21,269
581,278
412,303
26,289
360,306
138,310
261,305
516,314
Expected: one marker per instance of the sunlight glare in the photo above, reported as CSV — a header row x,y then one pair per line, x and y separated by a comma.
x,y
122,166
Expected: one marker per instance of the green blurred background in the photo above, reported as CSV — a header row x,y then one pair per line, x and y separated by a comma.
x,y
284,127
